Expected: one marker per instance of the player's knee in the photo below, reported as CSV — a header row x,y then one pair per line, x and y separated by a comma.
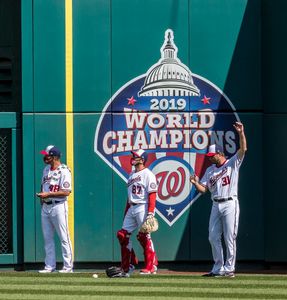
x,y
123,237
214,238
143,238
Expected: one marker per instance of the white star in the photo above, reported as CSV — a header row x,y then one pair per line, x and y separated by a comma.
x,y
170,211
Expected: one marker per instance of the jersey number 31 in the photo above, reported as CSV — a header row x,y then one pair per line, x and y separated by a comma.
x,y
225,180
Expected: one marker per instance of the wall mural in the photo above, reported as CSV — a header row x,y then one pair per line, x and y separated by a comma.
x,y
174,115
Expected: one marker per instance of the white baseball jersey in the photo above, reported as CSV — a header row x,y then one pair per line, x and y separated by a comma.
x,y
54,216
140,184
55,180
222,181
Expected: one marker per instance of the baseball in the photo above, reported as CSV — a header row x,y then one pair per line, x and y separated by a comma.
x,y
95,275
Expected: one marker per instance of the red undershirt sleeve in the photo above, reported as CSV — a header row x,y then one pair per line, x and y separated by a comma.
x,y
151,202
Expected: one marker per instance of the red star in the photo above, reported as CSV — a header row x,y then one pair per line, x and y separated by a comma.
x,y
205,100
132,100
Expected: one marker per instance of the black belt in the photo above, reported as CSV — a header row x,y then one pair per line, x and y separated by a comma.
x,y
134,204
219,200
51,202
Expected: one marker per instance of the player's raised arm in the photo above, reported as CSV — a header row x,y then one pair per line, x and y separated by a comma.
x,y
242,139
195,181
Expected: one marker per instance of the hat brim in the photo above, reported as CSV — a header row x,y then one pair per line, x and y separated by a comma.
x,y
134,154
210,154
44,152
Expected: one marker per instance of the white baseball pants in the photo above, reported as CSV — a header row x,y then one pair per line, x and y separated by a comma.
x,y
55,217
224,220
133,220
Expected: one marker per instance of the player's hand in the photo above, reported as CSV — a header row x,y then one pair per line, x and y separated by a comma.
x,y
238,127
149,216
43,195
194,179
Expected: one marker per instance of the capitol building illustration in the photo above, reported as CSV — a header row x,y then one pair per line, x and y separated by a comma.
x,y
169,77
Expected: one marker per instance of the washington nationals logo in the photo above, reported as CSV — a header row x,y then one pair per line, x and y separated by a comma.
x,y
172,177
172,181
174,115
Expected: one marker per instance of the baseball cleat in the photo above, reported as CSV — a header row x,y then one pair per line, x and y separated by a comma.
x,y
46,271
229,274
148,272
64,270
211,274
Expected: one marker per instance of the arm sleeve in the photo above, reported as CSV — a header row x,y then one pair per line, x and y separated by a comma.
x,y
235,161
43,176
151,184
151,202
66,180
203,180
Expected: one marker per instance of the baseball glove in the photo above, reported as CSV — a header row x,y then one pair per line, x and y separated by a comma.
x,y
114,272
149,225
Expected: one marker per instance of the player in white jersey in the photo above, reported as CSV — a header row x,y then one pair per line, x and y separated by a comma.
x,y
142,188
55,189
221,179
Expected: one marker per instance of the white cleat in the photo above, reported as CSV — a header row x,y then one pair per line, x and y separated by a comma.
x,y
148,272
46,271
64,271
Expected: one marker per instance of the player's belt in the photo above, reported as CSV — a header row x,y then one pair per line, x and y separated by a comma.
x,y
134,204
219,200
51,202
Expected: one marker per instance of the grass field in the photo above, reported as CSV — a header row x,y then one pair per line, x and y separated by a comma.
x,y
31,285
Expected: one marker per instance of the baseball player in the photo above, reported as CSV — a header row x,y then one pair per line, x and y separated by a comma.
x,y
142,188
55,189
221,179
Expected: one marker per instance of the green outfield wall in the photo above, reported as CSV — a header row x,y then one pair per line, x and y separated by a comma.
x,y
11,208
82,62
275,107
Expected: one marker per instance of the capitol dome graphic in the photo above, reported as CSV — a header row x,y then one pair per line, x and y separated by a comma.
x,y
169,77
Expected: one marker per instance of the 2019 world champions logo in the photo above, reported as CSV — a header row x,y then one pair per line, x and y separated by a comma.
x,y
174,115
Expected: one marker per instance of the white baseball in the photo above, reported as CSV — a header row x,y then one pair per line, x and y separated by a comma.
x,y
95,275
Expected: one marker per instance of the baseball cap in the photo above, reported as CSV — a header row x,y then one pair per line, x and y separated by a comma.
x,y
140,153
214,149
51,150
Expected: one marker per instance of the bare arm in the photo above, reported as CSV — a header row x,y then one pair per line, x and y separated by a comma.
x,y
242,139
195,181
61,193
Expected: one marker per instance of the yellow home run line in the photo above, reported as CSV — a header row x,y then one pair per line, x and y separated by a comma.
x,y
69,108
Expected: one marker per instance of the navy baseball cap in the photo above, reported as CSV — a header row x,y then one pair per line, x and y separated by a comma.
x,y
52,151
214,149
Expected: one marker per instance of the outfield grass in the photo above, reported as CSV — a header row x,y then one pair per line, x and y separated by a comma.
x,y
31,285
